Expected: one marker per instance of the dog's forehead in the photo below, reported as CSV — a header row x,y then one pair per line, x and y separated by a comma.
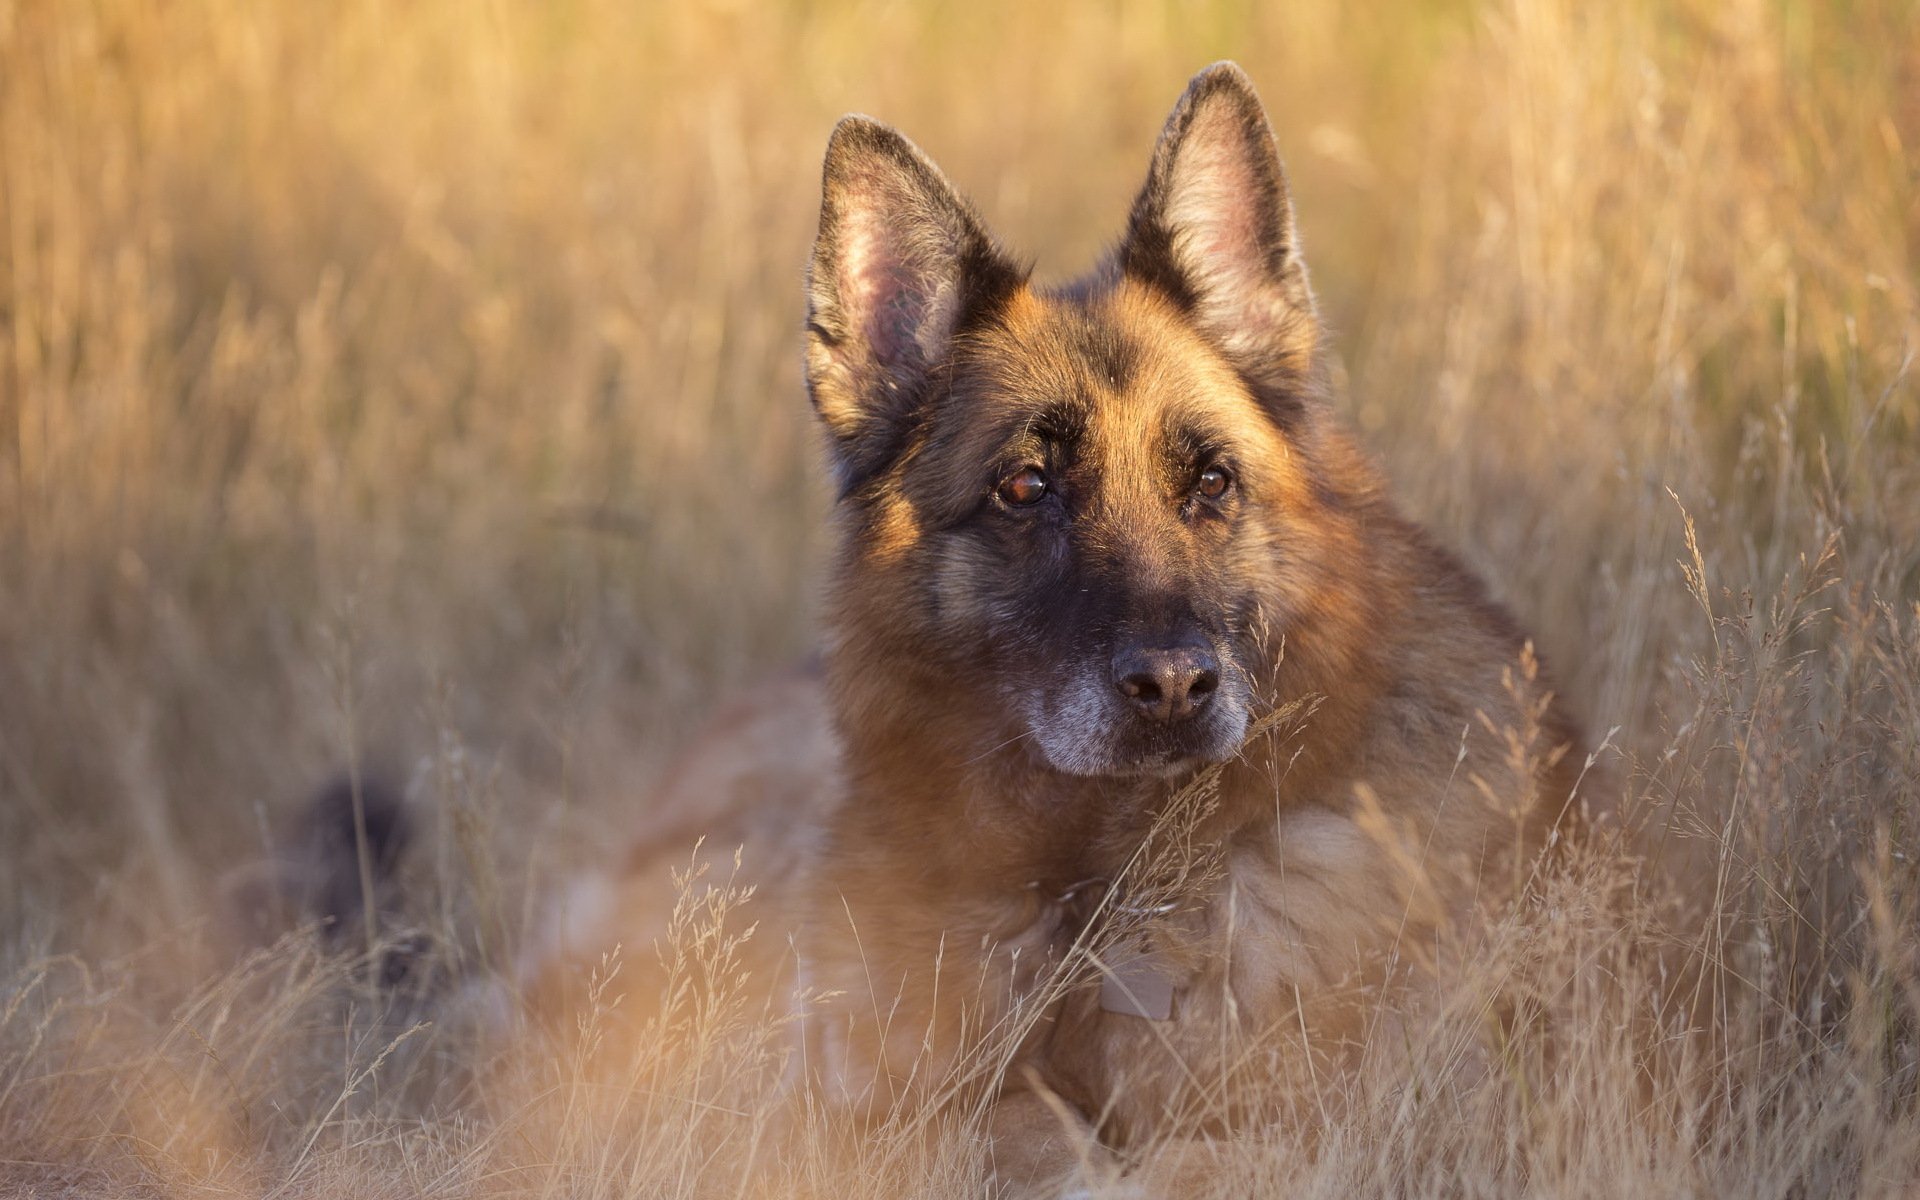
x,y
1120,365
1118,377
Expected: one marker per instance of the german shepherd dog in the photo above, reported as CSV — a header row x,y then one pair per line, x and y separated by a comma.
x,y
1110,575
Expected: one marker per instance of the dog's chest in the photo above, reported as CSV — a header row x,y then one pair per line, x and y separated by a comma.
x,y
1187,995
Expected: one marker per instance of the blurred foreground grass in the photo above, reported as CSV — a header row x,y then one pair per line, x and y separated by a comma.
x,y
418,384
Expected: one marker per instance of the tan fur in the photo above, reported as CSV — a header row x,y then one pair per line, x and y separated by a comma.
x,y
940,836
757,783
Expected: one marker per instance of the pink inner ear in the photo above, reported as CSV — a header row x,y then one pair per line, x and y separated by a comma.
x,y
883,297
1220,222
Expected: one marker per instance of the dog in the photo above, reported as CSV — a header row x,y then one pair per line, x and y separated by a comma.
x,y
1148,736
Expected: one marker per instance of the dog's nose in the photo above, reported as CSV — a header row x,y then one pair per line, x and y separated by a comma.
x,y
1166,683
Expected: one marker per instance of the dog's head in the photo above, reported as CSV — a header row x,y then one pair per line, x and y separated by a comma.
x,y
1083,504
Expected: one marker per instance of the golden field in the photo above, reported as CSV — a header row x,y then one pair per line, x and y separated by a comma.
x,y
414,389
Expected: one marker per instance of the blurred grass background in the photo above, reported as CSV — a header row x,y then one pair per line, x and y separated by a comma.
x,y
388,382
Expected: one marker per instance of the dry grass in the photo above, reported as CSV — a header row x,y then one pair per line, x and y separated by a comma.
x,y
418,383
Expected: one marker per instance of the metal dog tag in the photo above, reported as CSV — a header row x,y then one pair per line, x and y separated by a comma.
x,y
1138,983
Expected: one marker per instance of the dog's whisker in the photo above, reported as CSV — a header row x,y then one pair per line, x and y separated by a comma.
x,y
993,750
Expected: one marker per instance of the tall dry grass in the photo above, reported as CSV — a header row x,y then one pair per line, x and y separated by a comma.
x,y
414,387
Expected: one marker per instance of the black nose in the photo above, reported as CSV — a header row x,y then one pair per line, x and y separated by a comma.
x,y
1166,683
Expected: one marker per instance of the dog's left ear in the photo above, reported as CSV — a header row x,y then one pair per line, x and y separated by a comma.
x,y
1213,228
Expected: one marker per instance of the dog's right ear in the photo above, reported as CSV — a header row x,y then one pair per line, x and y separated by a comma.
x,y
900,265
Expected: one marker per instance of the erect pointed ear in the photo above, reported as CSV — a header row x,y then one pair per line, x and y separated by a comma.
x,y
1213,228
900,265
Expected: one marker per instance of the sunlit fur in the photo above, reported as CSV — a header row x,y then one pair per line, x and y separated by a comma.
x,y
989,762
934,846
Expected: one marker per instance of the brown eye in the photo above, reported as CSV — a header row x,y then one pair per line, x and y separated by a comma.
x,y
1212,483
1025,486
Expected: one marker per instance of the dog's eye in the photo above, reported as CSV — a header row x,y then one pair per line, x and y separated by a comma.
x,y
1025,486
1212,484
